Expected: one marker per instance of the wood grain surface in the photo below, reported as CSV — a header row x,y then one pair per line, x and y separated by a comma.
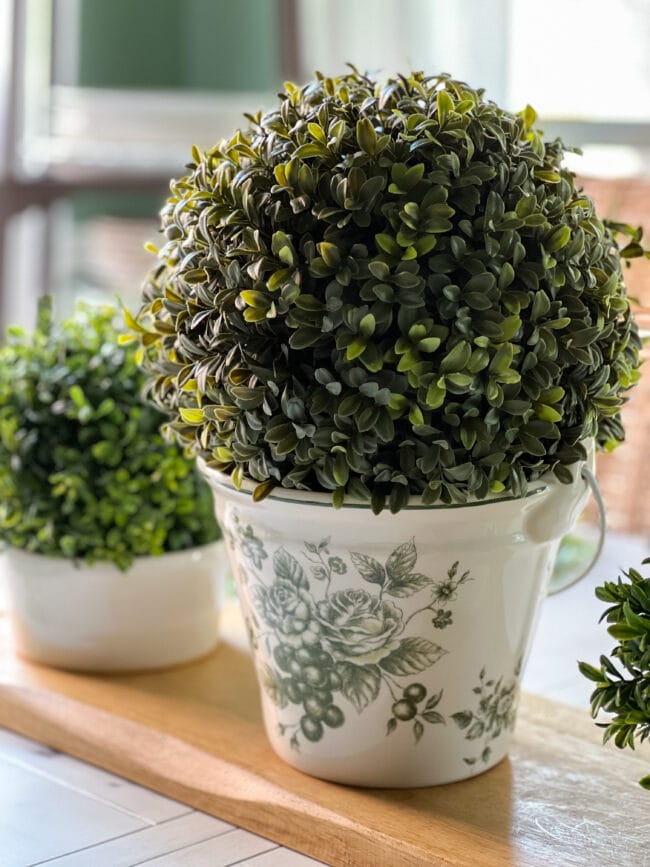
x,y
195,735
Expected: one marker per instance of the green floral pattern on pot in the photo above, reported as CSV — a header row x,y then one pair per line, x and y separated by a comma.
x,y
324,651
495,711
388,647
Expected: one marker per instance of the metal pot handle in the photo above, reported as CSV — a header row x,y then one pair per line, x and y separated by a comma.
x,y
592,483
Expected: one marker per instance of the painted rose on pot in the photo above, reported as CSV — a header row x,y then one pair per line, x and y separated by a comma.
x,y
285,606
506,704
357,626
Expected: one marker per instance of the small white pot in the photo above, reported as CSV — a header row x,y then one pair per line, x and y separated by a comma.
x,y
160,612
389,648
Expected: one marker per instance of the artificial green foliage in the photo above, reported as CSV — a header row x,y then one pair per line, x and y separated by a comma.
x,y
384,290
84,470
623,682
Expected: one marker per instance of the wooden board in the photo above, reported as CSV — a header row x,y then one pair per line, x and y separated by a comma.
x,y
195,734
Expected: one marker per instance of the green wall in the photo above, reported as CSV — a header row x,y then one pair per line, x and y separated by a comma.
x,y
180,44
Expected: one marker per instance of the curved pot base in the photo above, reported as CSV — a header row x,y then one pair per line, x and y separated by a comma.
x,y
383,769
107,662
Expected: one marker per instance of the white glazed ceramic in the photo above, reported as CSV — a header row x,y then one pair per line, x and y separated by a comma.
x,y
162,611
347,612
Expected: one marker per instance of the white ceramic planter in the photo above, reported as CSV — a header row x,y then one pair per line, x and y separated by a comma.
x,y
162,611
389,648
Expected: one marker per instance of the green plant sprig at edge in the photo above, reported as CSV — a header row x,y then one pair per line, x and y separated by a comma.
x,y
389,289
84,470
623,679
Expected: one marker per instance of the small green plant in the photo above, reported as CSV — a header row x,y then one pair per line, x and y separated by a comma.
x,y
84,470
623,681
389,289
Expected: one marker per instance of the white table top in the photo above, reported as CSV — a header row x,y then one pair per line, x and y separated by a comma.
x,y
56,810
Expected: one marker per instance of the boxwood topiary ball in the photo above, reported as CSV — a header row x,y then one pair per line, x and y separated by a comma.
x,y
384,290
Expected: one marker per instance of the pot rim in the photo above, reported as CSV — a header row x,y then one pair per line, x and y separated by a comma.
x,y
299,497
80,563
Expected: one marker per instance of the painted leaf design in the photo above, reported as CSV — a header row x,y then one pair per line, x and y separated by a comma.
x,y
360,683
391,726
411,656
408,584
434,701
370,569
418,730
432,716
402,560
462,718
286,566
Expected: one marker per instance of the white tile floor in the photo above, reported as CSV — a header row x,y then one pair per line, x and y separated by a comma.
x,y
56,810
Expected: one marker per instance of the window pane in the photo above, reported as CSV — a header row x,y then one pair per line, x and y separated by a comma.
x,y
187,44
581,59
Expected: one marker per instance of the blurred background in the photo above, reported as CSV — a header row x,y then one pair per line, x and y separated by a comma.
x,y
101,100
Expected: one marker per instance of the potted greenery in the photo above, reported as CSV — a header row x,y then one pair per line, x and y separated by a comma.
x,y
112,555
623,679
390,299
